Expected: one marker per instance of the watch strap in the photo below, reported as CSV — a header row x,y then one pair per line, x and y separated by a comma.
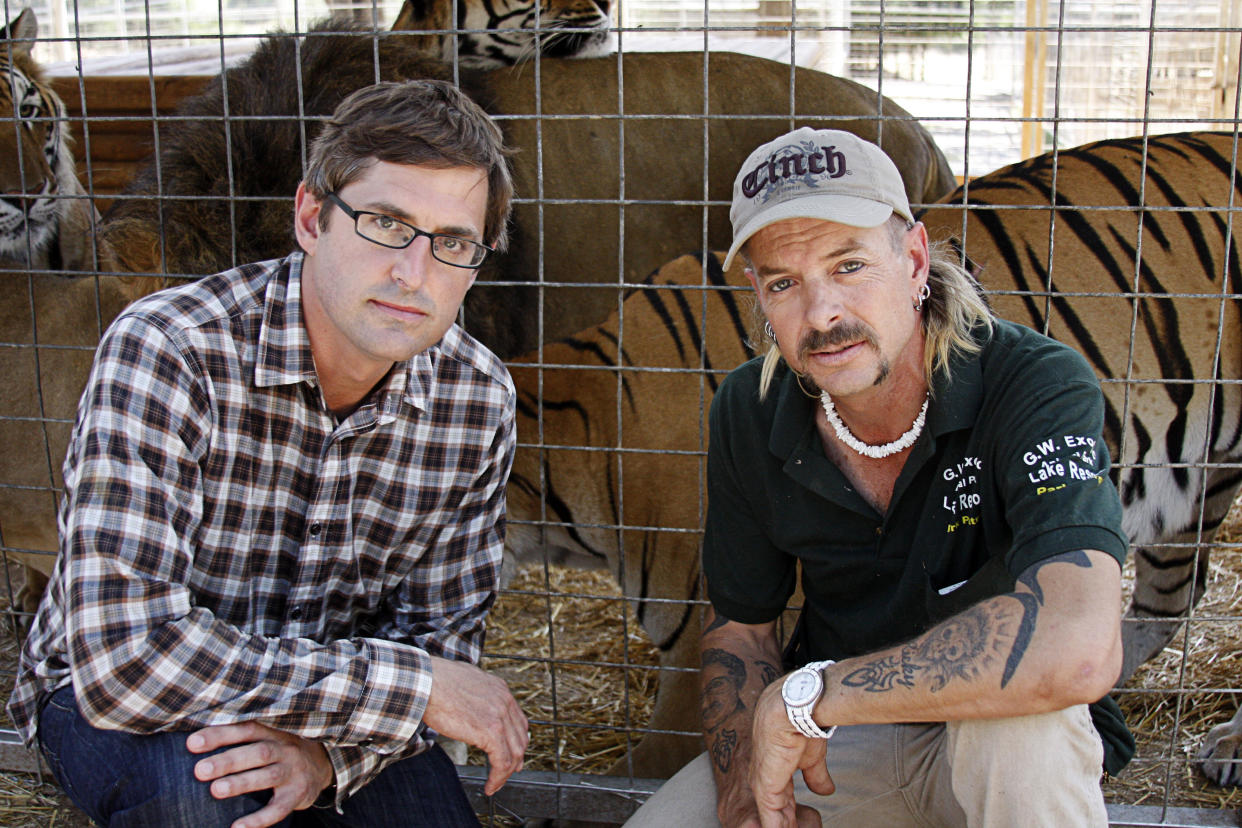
x,y
800,717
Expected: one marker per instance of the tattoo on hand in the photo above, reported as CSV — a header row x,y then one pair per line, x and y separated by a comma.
x,y
724,676
722,750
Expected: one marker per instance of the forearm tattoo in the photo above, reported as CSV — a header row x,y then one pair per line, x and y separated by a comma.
x,y
722,746
767,672
964,646
724,676
956,648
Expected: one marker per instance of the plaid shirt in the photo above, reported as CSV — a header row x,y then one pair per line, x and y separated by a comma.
x,y
230,552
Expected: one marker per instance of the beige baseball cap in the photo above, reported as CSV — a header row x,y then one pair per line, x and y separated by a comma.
x,y
824,174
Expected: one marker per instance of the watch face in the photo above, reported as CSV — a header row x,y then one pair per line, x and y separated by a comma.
x,y
801,687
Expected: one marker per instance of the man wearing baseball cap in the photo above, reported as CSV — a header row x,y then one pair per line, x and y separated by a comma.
x,y
939,478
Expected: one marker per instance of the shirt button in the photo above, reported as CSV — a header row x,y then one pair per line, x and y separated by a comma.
x,y
879,530
296,613
315,529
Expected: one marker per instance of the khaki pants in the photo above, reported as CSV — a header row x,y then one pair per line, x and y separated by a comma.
x,y
1041,770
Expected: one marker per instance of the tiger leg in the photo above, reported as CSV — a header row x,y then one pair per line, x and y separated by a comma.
x,y
661,754
673,626
1169,580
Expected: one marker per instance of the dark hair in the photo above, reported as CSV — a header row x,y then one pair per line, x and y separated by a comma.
x,y
424,122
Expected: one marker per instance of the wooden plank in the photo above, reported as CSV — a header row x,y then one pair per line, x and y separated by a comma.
x,y
14,756
1141,816
117,111
107,95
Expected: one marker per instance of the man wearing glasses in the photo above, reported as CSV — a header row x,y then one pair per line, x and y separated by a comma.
x,y
284,510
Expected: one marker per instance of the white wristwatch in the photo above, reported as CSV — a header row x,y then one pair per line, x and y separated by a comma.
x,y
800,692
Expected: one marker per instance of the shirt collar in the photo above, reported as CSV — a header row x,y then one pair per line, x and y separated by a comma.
x,y
284,355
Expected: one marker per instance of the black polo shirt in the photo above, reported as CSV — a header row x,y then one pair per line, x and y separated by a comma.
x,y
1010,469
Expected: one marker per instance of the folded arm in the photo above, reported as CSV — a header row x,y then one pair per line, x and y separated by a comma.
x,y
1053,642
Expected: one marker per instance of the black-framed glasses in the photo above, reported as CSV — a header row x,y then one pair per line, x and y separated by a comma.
x,y
387,231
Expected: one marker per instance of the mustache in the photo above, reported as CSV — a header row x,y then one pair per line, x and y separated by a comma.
x,y
842,334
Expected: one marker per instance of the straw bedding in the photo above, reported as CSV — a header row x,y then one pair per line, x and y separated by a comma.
x,y
570,632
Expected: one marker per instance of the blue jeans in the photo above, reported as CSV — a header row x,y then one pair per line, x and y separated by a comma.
x,y
127,780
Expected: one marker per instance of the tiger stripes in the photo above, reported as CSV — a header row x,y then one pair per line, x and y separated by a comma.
x,y
496,33
1133,267
34,146
1128,250
612,433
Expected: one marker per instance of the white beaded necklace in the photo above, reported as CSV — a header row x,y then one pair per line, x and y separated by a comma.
x,y
843,433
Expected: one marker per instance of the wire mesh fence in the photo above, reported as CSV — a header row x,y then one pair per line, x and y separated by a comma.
x,y
625,163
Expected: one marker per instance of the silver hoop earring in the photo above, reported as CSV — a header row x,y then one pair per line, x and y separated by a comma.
x,y
767,329
924,292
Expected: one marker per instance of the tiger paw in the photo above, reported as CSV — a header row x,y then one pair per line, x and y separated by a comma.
x,y
1219,758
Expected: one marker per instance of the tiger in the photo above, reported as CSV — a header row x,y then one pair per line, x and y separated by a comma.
x,y
585,465
45,216
49,255
490,34
1174,428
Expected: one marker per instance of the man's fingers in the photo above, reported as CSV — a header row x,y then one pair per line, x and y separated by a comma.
x,y
783,818
496,779
210,738
808,817
235,760
818,779
258,779
507,753
504,763
270,814
519,736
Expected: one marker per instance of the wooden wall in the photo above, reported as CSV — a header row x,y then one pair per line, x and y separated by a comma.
x,y
112,123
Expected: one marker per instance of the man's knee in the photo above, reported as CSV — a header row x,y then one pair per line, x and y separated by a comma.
x,y
1006,770
688,800
125,779
1065,739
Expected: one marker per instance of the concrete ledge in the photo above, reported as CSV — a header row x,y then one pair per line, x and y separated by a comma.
x,y
612,799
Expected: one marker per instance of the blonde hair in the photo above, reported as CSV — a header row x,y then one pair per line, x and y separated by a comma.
x,y
951,313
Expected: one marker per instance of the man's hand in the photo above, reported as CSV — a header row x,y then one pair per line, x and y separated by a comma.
x,y
778,750
295,769
474,707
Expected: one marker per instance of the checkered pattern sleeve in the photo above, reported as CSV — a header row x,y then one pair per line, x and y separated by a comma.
x,y
442,612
